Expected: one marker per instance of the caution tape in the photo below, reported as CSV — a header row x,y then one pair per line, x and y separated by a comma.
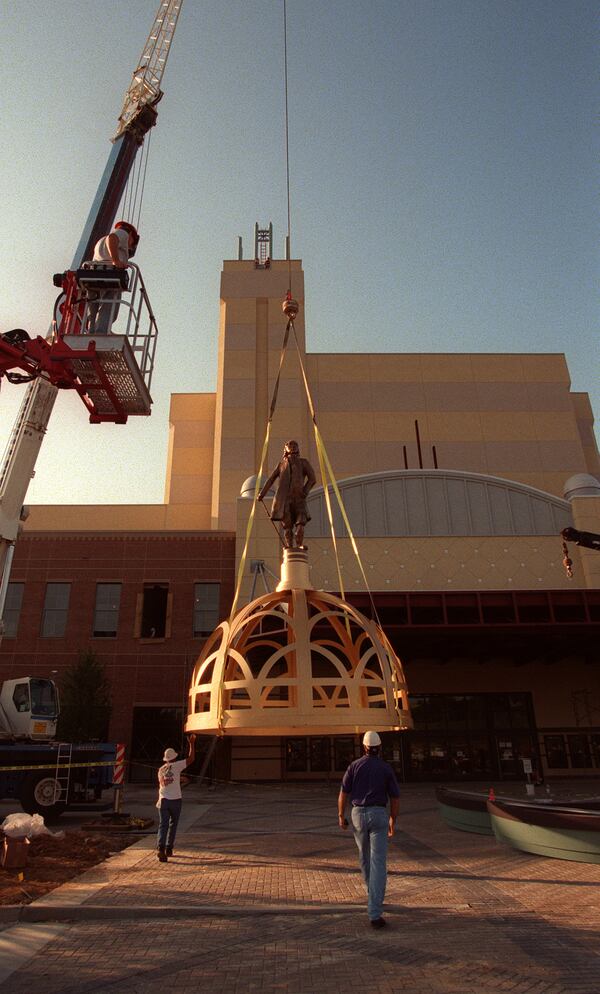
x,y
57,766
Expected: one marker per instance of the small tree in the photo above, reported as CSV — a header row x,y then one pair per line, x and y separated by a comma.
x,y
85,701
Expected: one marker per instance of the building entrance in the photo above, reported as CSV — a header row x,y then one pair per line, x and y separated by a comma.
x,y
468,737
317,757
456,737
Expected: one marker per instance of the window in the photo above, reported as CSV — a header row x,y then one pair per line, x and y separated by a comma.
x,y
56,609
579,750
44,698
206,608
12,608
556,754
153,613
21,697
106,615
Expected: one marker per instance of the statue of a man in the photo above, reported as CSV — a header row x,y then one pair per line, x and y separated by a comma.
x,y
296,478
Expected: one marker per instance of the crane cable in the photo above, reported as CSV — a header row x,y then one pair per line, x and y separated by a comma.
x,y
287,151
134,195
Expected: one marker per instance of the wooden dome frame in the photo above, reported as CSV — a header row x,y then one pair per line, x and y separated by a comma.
x,y
297,661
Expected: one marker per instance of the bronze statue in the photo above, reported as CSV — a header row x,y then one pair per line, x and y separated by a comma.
x,y
296,478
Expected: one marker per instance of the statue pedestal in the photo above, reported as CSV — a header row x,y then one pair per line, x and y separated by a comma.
x,y
294,571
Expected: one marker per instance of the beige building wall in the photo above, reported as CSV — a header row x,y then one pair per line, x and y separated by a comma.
x,y
421,563
188,482
511,416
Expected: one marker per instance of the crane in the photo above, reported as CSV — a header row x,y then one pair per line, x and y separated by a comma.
x,y
68,358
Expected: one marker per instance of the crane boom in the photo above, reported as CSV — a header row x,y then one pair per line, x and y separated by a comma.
x,y
145,82
137,117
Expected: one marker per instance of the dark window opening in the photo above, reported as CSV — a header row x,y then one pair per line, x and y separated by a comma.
x,y
154,611
497,609
462,610
533,608
427,610
568,607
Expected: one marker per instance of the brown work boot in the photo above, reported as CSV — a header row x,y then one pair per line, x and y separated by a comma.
x,y
162,855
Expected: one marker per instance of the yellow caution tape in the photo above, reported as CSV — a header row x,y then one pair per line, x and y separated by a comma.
x,y
59,766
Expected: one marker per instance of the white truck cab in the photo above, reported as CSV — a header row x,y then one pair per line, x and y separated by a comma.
x,y
29,709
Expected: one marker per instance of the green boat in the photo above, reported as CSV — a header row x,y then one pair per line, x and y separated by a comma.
x,y
557,831
465,810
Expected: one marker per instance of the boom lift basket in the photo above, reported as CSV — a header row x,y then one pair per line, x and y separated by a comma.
x,y
106,339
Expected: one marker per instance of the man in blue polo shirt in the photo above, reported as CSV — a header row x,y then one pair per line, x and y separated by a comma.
x,y
367,784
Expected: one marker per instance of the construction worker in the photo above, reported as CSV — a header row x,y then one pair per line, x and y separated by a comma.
x,y
113,251
368,784
169,797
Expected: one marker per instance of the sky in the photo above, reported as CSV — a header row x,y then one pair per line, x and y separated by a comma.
x,y
442,168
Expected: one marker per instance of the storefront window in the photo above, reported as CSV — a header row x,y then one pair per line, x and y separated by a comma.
x,y
579,751
418,710
519,717
343,752
500,711
460,759
436,718
419,756
556,753
296,755
456,712
476,707
320,757
480,756
438,757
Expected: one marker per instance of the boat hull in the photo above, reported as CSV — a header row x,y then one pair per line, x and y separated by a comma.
x,y
556,832
464,811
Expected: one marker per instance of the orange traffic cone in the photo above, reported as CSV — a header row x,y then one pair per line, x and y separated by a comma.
x,y
491,795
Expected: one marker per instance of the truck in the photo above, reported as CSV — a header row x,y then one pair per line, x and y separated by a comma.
x,y
46,776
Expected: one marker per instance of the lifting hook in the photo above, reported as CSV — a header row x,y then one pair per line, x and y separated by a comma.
x,y
290,307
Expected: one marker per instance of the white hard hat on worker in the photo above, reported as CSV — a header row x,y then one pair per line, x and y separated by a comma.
x,y
371,740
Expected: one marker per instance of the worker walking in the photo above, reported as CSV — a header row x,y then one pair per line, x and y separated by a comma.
x,y
113,251
169,797
368,784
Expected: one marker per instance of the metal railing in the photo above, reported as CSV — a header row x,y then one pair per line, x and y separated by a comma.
x,y
125,312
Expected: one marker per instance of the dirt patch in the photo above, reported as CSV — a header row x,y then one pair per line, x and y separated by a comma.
x,y
51,862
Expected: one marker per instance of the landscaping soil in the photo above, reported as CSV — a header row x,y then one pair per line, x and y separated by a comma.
x,y
52,861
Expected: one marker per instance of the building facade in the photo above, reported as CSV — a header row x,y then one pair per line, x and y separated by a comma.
x,y
458,473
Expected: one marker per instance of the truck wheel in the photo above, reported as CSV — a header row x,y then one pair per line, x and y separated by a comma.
x,y
37,796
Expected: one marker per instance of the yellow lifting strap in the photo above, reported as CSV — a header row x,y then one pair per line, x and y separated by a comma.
x,y
258,484
327,472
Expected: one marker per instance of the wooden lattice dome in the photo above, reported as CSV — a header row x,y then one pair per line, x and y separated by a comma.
x,y
297,660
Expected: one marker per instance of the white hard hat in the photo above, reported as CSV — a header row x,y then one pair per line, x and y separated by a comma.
x,y
169,755
371,739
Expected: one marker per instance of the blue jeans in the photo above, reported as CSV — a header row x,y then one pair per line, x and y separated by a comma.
x,y
167,826
370,832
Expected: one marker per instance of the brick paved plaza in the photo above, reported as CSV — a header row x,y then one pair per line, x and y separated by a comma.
x,y
264,894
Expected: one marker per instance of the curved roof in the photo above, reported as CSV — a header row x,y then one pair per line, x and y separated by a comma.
x,y
438,502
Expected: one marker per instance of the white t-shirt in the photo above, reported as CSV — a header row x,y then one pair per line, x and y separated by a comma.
x,y
101,253
169,784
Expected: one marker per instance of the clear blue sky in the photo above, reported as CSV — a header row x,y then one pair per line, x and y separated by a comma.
x,y
443,159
